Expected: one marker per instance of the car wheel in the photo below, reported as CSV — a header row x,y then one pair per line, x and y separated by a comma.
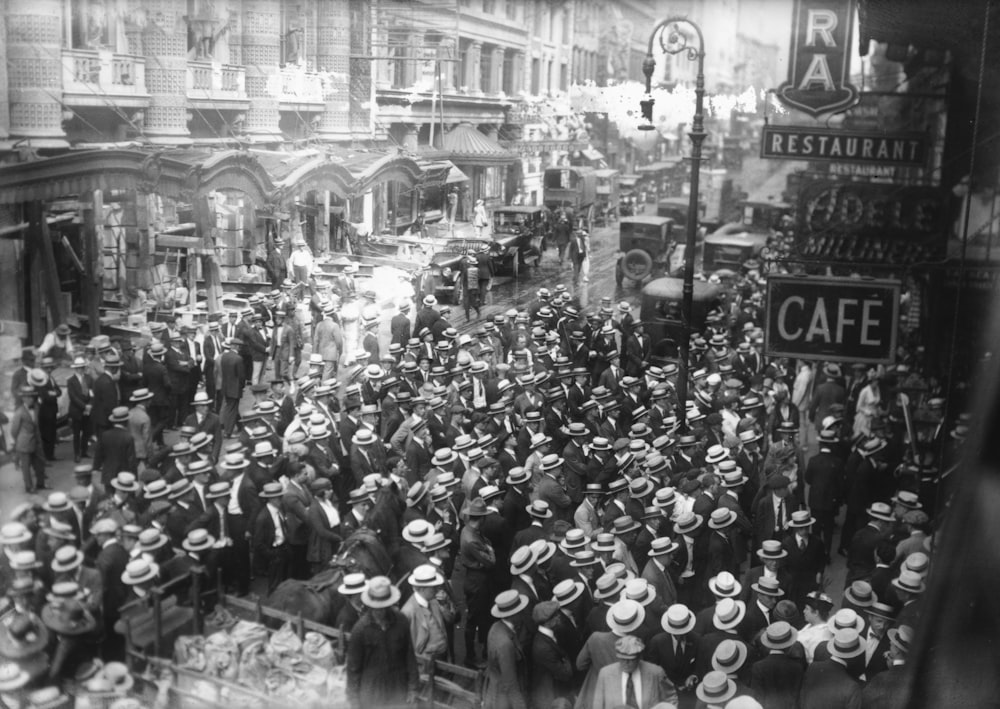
x,y
515,265
637,264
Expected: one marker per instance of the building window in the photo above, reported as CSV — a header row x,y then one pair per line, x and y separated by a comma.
x,y
486,69
511,9
537,25
566,32
491,183
563,77
536,77
489,6
508,73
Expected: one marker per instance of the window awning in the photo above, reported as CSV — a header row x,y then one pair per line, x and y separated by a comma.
x,y
593,154
438,173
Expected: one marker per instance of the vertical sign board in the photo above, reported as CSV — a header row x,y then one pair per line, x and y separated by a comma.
x,y
832,319
819,65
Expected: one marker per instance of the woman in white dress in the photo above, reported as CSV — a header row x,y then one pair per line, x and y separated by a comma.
x,y
869,400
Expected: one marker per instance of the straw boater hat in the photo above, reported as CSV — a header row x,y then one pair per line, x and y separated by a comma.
x,y
729,656
380,593
425,576
728,614
352,584
678,620
508,603
716,689
625,616
724,585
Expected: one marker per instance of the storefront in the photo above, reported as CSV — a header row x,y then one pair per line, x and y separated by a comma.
x,y
484,161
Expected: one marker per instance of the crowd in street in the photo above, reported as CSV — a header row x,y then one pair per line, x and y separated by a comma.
x,y
548,518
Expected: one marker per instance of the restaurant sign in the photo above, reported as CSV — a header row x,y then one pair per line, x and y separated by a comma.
x,y
796,143
870,223
819,65
832,319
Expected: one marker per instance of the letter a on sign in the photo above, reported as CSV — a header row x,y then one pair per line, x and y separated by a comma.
x,y
819,66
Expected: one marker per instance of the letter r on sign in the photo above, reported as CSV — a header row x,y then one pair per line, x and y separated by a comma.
x,y
820,25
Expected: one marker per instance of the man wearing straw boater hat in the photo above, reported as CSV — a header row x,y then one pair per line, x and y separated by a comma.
x,y
506,683
381,665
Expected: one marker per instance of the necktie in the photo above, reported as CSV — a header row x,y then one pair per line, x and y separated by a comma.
x,y
802,544
630,698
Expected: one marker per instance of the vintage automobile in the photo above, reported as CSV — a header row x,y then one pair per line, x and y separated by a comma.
x,y
608,194
730,247
508,253
660,312
644,243
573,188
529,225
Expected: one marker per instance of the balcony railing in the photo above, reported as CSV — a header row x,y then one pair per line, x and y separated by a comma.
x,y
102,72
545,145
215,81
300,86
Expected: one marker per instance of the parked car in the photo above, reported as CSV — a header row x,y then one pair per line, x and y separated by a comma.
x,y
507,254
660,310
644,243
730,247
528,226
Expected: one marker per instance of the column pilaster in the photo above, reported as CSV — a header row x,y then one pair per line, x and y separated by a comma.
x,y
34,71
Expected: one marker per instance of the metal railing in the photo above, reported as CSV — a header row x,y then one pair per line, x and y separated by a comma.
x,y
215,80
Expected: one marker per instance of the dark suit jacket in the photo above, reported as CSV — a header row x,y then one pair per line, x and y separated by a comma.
x,y
776,680
678,666
825,475
827,685
506,682
111,562
861,554
720,555
115,453
79,395
887,690
234,375
105,399
157,382
295,503
666,591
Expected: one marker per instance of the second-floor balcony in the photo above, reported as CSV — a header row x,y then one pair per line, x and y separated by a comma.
x,y
215,83
93,77
299,87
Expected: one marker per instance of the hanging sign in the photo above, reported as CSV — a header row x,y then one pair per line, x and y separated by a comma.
x,y
821,144
819,65
837,319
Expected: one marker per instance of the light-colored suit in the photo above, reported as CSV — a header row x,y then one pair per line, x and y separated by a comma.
x,y
656,687
587,519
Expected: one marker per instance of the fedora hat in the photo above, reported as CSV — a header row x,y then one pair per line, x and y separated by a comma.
x,y
845,644
66,558
771,550
779,636
380,593
198,540
625,616
728,614
425,576
721,518
724,585
880,511
139,571
729,656
716,688
767,586
678,620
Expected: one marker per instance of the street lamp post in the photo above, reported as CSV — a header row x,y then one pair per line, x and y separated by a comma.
x,y
677,43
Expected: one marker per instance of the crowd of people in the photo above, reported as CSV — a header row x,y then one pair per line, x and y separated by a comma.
x,y
554,516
